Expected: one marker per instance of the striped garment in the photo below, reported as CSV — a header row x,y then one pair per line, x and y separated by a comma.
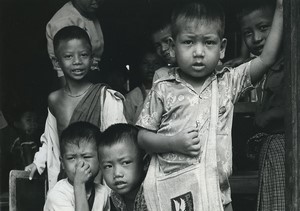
x,y
271,193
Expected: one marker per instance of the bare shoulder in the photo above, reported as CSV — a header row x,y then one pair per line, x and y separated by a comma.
x,y
54,98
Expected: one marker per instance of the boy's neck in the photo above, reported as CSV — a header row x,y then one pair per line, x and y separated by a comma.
x,y
75,88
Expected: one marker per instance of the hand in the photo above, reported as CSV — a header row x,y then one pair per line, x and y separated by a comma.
x,y
83,173
187,142
32,169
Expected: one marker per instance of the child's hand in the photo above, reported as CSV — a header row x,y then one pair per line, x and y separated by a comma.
x,y
82,173
187,142
32,169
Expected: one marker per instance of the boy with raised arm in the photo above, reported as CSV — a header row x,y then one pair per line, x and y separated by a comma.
x,y
187,117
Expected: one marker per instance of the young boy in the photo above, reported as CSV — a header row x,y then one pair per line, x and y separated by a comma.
x,y
187,117
122,165
160,35
256,20
80,13
134,100
78,100
26,144
79,157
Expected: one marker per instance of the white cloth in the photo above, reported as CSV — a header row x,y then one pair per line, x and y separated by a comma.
x,y
68,15
49,152
61,197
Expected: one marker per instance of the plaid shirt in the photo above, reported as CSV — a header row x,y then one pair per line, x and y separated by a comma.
x,y
118,204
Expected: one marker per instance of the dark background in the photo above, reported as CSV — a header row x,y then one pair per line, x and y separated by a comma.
x,y
26,75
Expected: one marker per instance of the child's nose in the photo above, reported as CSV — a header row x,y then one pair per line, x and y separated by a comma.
x,y
77,60
257,36
118,173
199,50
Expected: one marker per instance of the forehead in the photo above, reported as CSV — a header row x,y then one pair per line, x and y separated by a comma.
x,y
118,150
82,147
161,34
198,26
257,16
73,43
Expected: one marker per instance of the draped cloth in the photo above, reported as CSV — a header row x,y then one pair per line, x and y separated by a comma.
x,y
90,106
194,188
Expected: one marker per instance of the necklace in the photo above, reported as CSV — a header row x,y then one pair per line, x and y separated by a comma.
x,y
79,95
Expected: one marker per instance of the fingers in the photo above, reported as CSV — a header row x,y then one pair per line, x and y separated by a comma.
x,y
32,171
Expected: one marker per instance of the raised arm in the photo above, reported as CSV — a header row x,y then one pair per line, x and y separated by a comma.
x,y
271,49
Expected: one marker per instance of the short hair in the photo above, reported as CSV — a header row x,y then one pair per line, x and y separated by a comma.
x,y
246,7
209,10
77,133
69,33
118,133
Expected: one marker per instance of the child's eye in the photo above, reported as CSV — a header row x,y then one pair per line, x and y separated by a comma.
x,y
67,56
107,166
210,42
125,163
247,33
70,158
84,54
263,27
87,157
188,42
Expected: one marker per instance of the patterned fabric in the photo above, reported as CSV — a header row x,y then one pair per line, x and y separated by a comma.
x,y
119,204
271,194
173,105
134,102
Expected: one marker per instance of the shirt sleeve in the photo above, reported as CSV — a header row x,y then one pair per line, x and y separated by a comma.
x,y
240,80
50,132
152,111
113,109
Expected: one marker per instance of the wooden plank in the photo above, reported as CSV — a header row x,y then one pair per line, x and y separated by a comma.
x,y
292,68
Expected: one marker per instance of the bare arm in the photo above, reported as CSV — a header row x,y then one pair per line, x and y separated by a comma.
x,y
186,142
271,49
82,176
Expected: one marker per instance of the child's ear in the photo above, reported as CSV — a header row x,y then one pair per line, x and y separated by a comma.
x,y
223,48
55,63
172,47
62,163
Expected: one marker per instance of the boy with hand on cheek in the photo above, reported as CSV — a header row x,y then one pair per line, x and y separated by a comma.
x,y
79,157
122,166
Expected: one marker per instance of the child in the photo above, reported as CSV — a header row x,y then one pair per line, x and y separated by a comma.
x,y
122,165
79,157
26,144
80,13
160,34
78,100
187,117
133,105
256,20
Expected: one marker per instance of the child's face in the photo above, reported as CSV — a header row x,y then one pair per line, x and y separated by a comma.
x,y
122,167
28,123
198,48
150,63
255,29
74,57
162,44
85,152
87,6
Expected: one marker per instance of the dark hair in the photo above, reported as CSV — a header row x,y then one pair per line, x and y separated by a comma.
x,y
69,33
120,132
77,133
209,10
246,7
